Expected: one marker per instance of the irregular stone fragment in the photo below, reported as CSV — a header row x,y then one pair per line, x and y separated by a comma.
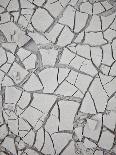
x,y
26,4
8,143
67,56
10,57
31,46
110,120
49,79
3,58
54,8
83,50
39,3
30,152
2,37
113,69
96,55
98,152
5,18
94,39
48,56
39,139
43,102
89,144
79,24
106,140
99,95
69,149
33,118
62,74
68,17
60,140
97,8
12,4
95,24
22,53
17,73
12,94
110,87
65,37
67,112
29,138
94,134
52,124
86,7
21,38
24,100
107,21
10,46
41,19
9,29
89,68
13,126
78,132
48,147
88,105
114,48
29,63
72,77
77,62
110,35
107,56
38,38
3,132
53,34
66,89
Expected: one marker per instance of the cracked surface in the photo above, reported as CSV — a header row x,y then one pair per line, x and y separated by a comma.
x,y
57,77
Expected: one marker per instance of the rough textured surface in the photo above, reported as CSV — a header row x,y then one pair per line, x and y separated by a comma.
x,y
57,77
